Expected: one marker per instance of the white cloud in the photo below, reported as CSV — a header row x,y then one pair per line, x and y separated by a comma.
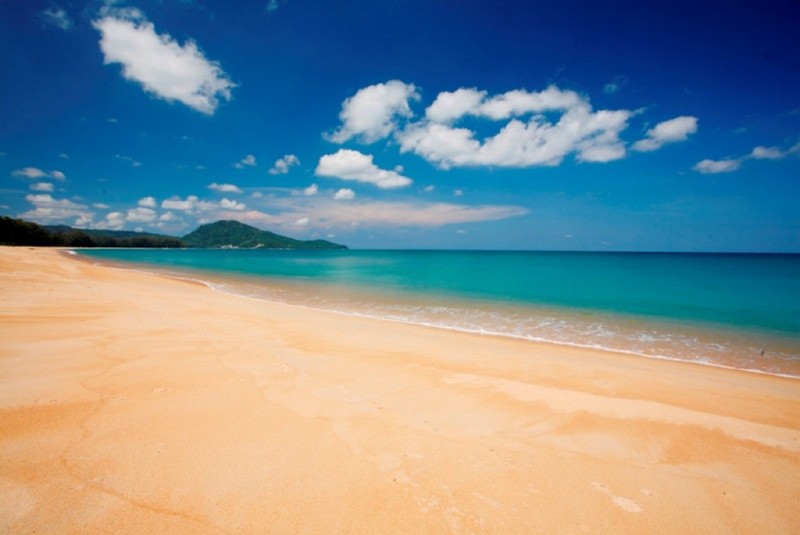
x,y
520,102
429,189
302,222
282,165
594,136
708,167
671,131
101,206
224,188
344,194
767,153
167,216
141,215
247,161
148,202
64,156
29,172
540,128
58,17
191,204
728,165
162,66
458,193
34,172
398,214
452,105
47,209
112,221
370,114
311,190
227,204
353,165
42,186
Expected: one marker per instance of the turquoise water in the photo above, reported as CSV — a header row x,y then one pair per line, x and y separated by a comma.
x,y
717,309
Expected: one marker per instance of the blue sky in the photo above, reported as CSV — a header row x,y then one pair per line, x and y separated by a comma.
x,y
409,124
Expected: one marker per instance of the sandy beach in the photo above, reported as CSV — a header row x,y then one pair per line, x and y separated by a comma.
x,y
136,403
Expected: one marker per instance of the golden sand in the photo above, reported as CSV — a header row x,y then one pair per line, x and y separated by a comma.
x,y
136,403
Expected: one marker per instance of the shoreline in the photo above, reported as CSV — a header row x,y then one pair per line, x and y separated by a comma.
x,y
132,402
216,281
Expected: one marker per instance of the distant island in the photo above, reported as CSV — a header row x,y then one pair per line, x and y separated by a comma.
x,y
221,234
232,234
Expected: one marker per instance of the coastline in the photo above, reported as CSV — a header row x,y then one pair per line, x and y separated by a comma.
x,y
132,402
740,347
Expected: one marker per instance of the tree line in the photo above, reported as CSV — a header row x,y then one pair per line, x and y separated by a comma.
x,y
21,232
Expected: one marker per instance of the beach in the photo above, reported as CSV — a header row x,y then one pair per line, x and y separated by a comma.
x,y
132,402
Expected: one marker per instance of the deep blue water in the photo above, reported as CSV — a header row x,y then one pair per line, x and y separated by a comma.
x,y
589,298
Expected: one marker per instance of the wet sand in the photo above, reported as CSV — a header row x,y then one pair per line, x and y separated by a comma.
x,y
137,403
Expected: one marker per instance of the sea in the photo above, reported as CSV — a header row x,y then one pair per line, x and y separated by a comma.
x,y
737,311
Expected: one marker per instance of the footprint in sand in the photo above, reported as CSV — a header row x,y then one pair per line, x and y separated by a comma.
x,y
626,504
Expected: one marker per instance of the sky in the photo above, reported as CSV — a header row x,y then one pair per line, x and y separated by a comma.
x,y
621,126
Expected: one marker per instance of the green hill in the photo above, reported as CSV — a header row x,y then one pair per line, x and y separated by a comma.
x,y
236,234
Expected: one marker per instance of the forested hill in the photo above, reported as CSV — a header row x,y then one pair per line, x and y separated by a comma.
x,y
20,232
214,235
236,234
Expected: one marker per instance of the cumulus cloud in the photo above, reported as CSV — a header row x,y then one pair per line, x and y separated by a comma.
x,y
539,128
227,204
191,204
594,136
282,165
112,221
247,161
224,188
35,172
708,167
671,131
141,215
302,222
371,113
56,16
529,137
353,165
148,202
48,209
344,194
163,67
42,186
311,190
29,172
452,105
